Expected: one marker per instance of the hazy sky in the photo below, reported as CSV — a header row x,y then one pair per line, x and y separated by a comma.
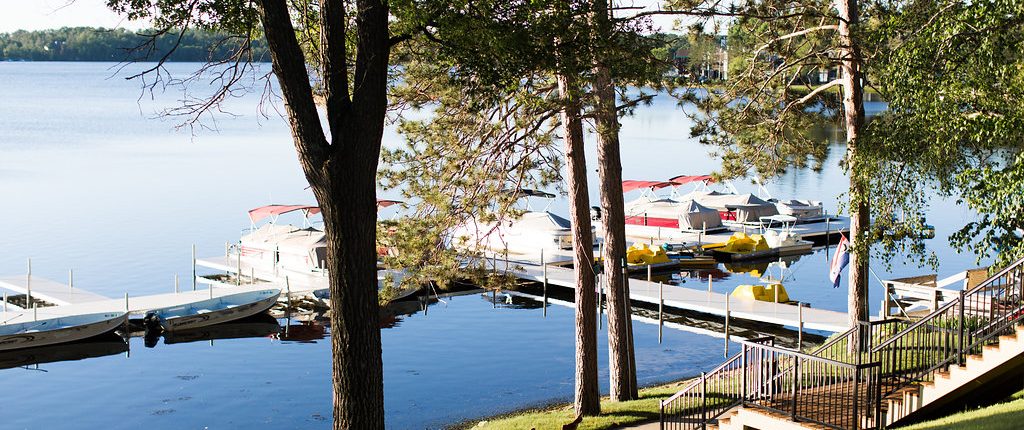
x,y
43,14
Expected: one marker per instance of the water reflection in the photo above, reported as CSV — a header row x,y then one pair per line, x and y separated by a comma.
x,y
100,346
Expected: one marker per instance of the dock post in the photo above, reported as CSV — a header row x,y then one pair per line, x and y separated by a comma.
x,y
494,298
649,270
211,291
776,295
35,313
71,279
238,268
175,283
193,267
28,285
726,325
545,267
661,309
288,296
828,228
5,305
252,276
800,326
709,283
126,307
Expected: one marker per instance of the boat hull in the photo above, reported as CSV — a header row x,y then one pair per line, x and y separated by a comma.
x,y
103,323
203,319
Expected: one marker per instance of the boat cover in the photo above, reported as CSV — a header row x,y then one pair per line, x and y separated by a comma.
x,y
684,215
735,207
541,221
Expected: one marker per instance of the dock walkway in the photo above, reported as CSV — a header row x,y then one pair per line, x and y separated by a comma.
x,y
49,291
698,300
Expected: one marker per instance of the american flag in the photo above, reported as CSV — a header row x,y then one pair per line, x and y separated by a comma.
x,y
839,261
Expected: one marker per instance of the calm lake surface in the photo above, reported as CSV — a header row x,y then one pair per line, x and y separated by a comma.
x,y
92,180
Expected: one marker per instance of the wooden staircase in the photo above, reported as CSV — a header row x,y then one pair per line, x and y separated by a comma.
x,y
956,381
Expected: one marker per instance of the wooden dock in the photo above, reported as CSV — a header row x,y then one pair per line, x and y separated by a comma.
x,y
699,300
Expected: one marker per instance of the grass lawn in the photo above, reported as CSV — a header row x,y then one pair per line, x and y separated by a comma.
x,y
1006,415
613,414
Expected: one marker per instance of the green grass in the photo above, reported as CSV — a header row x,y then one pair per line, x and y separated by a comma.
x,y
613,414
1006,415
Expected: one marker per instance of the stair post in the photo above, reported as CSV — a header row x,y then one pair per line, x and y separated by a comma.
x,y
743,370
703,400
960,335
796,386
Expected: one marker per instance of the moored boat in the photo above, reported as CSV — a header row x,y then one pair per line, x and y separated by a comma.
x,y
60,324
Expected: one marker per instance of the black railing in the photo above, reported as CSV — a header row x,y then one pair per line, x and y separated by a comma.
x,y
831,385
803,386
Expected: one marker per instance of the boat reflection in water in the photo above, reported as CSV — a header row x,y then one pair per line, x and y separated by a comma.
x,y
259,325
99,346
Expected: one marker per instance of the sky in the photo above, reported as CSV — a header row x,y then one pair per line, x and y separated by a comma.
x,y
44,14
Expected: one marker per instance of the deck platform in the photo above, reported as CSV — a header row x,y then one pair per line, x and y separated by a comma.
x,y
698,300
49,291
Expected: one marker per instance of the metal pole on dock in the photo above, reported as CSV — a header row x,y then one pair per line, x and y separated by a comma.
x,y
28,285
727,325
494,298
193,267
238,268
800,325
709,283
5,305
252,275
600,298
126,307
545,267
71,279
175,283
828,225
288,295
661,309
649,270
35,313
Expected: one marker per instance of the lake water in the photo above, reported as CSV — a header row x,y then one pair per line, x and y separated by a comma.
x,y
92,180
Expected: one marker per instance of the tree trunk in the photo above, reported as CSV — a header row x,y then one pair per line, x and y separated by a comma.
x,y
853,109
342,175
622,376
587,398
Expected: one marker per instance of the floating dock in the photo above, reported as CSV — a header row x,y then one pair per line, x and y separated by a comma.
x,y
708,302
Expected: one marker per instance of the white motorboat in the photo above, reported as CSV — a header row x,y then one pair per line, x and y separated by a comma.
x,y
527,233
49,326
292,255
225,305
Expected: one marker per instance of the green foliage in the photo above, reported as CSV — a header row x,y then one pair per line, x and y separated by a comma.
x,y
759,122
100,44
953,76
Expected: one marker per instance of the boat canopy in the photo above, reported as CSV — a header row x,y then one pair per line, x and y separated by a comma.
x,y
383,203
630,185
262,212
255,215
686,179
526,192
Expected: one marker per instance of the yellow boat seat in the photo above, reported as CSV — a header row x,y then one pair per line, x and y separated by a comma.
x,y
764,293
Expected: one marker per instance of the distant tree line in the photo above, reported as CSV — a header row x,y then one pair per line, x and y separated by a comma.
x,y
103,44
